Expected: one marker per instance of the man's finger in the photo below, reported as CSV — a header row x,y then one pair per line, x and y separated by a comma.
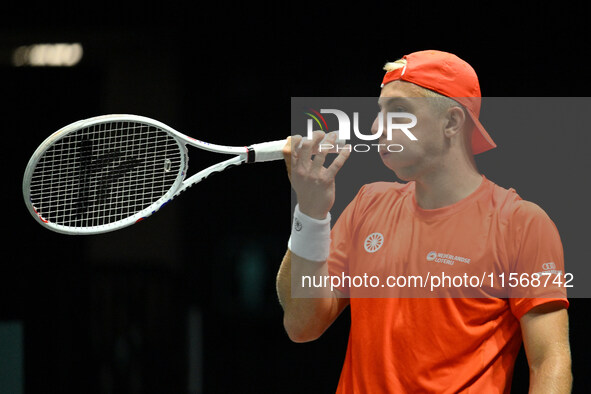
x,y
296,144
287,148
309,147
287,156
339,161
320,155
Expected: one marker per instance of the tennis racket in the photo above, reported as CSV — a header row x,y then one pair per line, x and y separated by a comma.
x,y
108,172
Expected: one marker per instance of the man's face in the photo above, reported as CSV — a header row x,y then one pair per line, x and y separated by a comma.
x,y
419,156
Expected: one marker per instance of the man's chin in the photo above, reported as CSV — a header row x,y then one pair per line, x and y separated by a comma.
x,y
404,173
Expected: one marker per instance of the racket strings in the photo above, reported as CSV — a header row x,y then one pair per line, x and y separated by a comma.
x,y
105,173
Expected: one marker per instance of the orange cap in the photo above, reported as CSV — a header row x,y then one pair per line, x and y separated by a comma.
x,y
450,76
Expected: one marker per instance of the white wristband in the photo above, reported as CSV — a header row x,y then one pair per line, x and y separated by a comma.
x,y
310,238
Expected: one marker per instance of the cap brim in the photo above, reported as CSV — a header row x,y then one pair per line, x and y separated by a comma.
x,y
481,140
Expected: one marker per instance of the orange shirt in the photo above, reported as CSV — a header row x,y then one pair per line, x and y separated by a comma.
x,y
450,339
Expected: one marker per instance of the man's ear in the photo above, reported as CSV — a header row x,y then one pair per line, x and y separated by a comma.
x,y
455,119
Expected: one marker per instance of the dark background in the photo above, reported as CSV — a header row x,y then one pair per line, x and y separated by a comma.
x,y
119,313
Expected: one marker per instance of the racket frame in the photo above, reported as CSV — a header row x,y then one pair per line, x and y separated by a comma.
x,y
255,153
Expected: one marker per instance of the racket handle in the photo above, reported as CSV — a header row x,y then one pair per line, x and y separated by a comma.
x,y
269,151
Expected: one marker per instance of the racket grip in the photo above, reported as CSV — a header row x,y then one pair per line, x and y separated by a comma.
x,y
269,151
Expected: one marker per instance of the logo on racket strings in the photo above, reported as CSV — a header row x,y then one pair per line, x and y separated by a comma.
x,y
91,165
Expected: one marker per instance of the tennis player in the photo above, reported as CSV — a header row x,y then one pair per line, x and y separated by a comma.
x,y
445,208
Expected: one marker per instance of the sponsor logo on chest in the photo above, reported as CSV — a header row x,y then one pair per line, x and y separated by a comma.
x,y
446,258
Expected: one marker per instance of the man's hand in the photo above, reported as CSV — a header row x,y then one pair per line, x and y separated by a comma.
x,y
313,183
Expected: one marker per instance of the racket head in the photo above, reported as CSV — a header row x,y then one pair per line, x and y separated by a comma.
x,y
104,173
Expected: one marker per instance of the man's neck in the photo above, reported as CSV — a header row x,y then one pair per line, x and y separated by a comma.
x,y
446,187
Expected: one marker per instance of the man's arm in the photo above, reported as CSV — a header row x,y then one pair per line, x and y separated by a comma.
x,y
307,316
545,337
305,319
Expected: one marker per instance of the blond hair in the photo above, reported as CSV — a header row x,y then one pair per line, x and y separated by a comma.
x,y
391,66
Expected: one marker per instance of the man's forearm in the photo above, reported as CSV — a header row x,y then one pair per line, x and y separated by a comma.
x,y
546,340
308,312
553,375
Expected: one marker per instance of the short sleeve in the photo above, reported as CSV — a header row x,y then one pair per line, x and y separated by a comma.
x,y
536,273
